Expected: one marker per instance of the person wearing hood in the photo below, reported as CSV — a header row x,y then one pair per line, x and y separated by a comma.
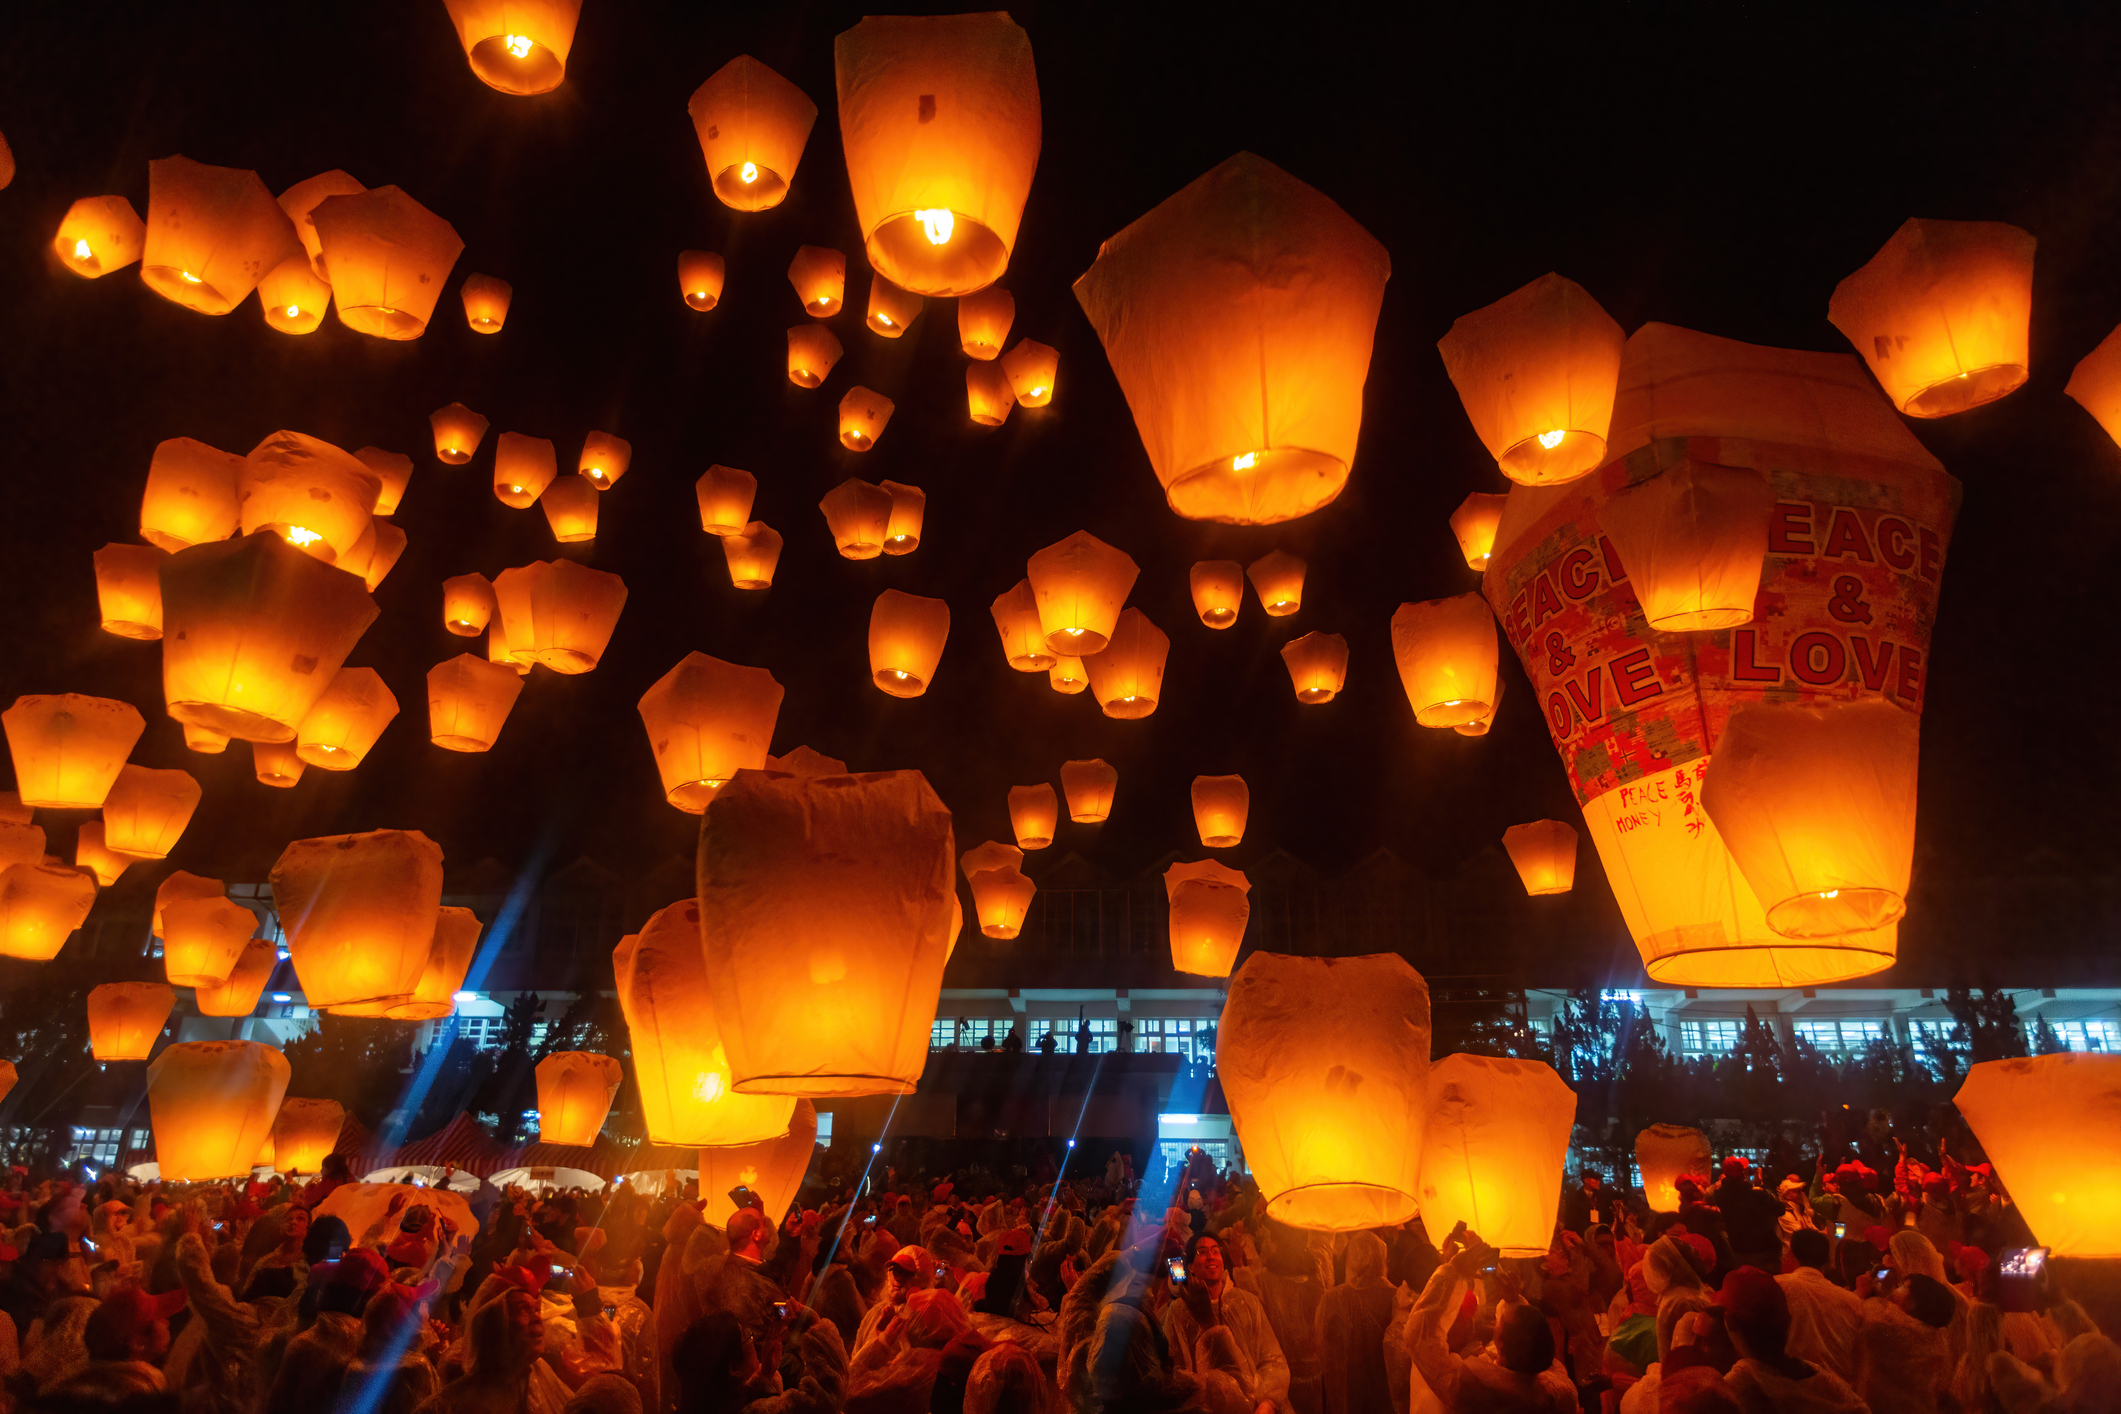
x,y
1766,1377
391,1373
1823,1317
506,1337
1903,1360
1521,1376
1352,1319
1207,1298
220,1357
910,1269
633,1321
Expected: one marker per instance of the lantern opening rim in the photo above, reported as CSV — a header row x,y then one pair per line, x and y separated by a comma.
x,y
197,295
539,71
817,1087
1822,915
1579,453
1278,1206
1298,478
231,722
972,258
763,192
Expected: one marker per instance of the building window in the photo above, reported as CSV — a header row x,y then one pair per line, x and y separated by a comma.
x,y
97,1148
1709,1038
1840,1040
1172,1037
967,1032
2096,1036
484,1032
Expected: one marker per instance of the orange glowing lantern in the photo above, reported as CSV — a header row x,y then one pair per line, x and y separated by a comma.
x,y
1694,539
100,234
497,646
277,764
522,468
812,350
1667,1153
90,853
700,277
983,320
1278,578
1318,666
178,888
1493,1150
212,1105
772,1168
7,1068
456,942
516,46
388,257
1536,372
575,1091
125,1019
458,431
360,913
69,749
1090,786
129,589
1545,855
23,843
906,636
238,996
1031,369
863,413
393,473
40,907
752,555
1128,676
467,604
570,506
820,279
1218,591
987,396
486,302
304,1133
1221,806
191,495
752,125
203,939
1446,650
706,721
311,494
293,298
212,234
146,811
338,733
1001,894
725,496
12,809
605,459
300,203
204,740
1080,585
559,613
909,509
2036,1118
1034,813
376,553
1068,675
1023,637
1474,524
891,309
1209,910
859,516
804,762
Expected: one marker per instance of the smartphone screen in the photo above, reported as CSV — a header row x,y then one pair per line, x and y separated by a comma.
x,y
1840,1231
2022,1262
558,1270
1178,1270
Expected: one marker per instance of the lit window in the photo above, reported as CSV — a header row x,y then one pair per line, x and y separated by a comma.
x,y
1709,1038
2098,1037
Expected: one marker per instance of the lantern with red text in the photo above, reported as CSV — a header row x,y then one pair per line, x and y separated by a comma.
x,y
859,516
2049,1125
339,731
1667,1153
1545,855
909,510
891,309
1474,524
983,320
772,1169
1221,805
1128,676
706,721
1942,314
468,702
309,493
69,750
812,350
820,279
1016,618
125,1019
575,1091
1209,909
191,495
238,996
486,302
1034,813
100,234
388,257
1694,540
752,125
212,234
1080,585
146,811
1218,591
570,506
725,496
516,46
293,297
863,413
458,431
604,459
1493,1150
906,636
304,1133
277,764
700,277
203,939
129,590
212,1105
1090,786
90,853
1536,372
467,604
1446,650
559,613
752,555
522,468
1031,368
987,396
1001,894
40,907
359,911
1318,666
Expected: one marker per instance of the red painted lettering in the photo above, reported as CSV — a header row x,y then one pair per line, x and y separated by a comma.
x,y
1593,706
1613,568
1634,679
1745,659
1818,658
1789,529
1932,552
1909,688
1844,536
1574,582
1519,629
1873,673
1558,714
1545,603
1893,535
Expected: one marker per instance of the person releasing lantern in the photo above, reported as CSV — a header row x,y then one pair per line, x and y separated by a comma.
x,y
575,1091
212,234
1493,1149
458,431
1474,524
700,277
125,1019
983,320
129,590
468,702
360,912
605,459
1209,909
516,46
863,414
859,516
145,811
100,234
570,506
1090,786
1544,853
1080,584
725,496
1318,666
752,555
1034,812
753,126
906,636
1221,805
1536,372
812,350
819,275
1127,678
773,1169
706,721
559,613
388,257
1446,650
212,1105
68,749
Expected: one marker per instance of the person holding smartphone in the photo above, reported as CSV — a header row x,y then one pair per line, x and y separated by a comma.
x,y
1206,1298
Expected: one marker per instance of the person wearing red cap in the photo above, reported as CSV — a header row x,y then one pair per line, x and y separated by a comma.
x,y
1767,1378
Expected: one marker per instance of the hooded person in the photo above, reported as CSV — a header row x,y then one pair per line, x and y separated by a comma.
x,y
505,1337
677,1303
633,1322
1824,1318
390,1373
219,1361
1008,1379
1908,1253
56,1345
1646,1395
1668,1266
909,1270
1903,1361
307,1378
1208,1298
1352,1319
1521,1376
1766,1378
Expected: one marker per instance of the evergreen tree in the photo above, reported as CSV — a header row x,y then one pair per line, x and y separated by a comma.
x,y
1990,1022
2045,1041
362,1062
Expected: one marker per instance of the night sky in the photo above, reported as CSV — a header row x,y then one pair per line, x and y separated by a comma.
x,y
1720,174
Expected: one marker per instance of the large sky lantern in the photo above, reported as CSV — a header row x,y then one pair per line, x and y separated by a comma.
x,y
1127,678
316,497
559,613
277,764
212,234
516,46
858,513
1942,314
1278,578
253,631
700,277
191,495
1325,1062
1221,806
1089,786
983,320
1493,1150
939,119
304,1133
570,506
1218,588
1209,910
819,275
2052,1127
891,309
1032,369
1080,585
707,720
467,604
1693,540
825,914
68,749
1318,666
212,1105
1016,618
771,1168
812,350
575,1091
1446,650
146,810
449,956
1857,543
300,203
753,554
1544,853
90,853
753,126
338,733
680,1032
125,1019
1667,1153
2095,383
1535,372
359,913
458,431
1068,675
292,297
203,939
179,887
375,554
486,300
129,589
863,413
1001,892
1238,317
725,496
605,458
100,234
393,473
988,399
40,907
1474,524
21,843
522,468
388,257
906,636
238,996
1034,814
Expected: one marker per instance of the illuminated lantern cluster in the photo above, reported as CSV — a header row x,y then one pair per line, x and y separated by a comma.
x,y
40,907
752,555
891,309
983,320
1080,585
203,939
575,1091
300,203
725,496
468,702
1942,314
1474,524
179,887
304,1133
129,590
516,46
458,431
700,277
909,511
125,1019
359,912
863,413
212,1105
1034,813
1545,855
559,613
858,514
1493,1150
311,494
706,721
212,234
277,764
393,473
772,1168
90,853
1667,1153
906,637
68,750
1016,618
819,275
752,125
604,459
339,731
467,604
1127,677
1209,909
570,506
1090,786
1221,805
191,495
238,996
1278,578
2048,1124
1031,368
812,350
1693,540
1536,371
1001,892
522,468
100,234
146,811
1318,666
1447,650
388,257
486,301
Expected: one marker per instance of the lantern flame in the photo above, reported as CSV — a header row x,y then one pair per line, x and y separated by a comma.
x,y
884,319
707,1086
300,535
1039,391
1550,440
294,311
1245,462
189,277
748,173
937,223
81,250
519,45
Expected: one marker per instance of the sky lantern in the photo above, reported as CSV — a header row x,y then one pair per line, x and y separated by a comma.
x,y
1128,676
891,309
277,764
2096,384
1667,1153
1942,314
812,350
858,513
1318,666
983,320
359,912
863,413
1474,524
939,118
90,853
1016,618
1693,540
146,811
449,957
204,740
1218,591
1278,578
909,509
293,298
21,842
1238,317
575,1091
300,203
68,749
988,398
376,553
906,636
467,604
388,257
706,721
680,1038
605,459
253,631
125,1019
212,234
212,1105
393,473
458,431
1080,584
752,555
1536,372
1446,650
1325,1062
1001,894
1068,675
12,809
311,494
40,907
129,589
1493,1150
179,887
2048,1124
1032,369
1545,855
1221,806
191,495
825,913
522,468
485,302
203,939
238,996
1090,786
497,645
339,731
752,125
1483,725
100,234
559,613
1034,813
516,46
802,761
304,1133
570,506
771,1168
700,277
819,275
725,496
1209,909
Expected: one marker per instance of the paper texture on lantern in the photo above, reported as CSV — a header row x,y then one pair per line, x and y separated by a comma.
x,y
277,764
308,492
300,203
1034,813
1545,855
1016,618
146,811
516,46
90,852
575,1091
522,468
1318,666
812,350
129,589
304,1133
1942,314
359,913
1278,578
1221,805
69,749
906,636
570,506
292,297
983,320
203,939
825,913
725,496
679,1026
180,887
1536,372
1693,541
1068,675
706,721
1080,585
125,1019
939,119
752,125
863,413
497,645
752,555
1325,1062
605,459
468,702
804,762
22,843
1667,1153
100,234
1001,898
1474,524
338,733
449,956
771,1168
238,996
467,604
1128,676
388,257
2096,384
363,1205
909,511
1238,317
988,398
12,808
212,1105
700,277
1209,909
1218,591
458,431
891,309
1446,650
858,514
486,301
40,907
212,234
2052,1127
393,473
820,279
191,495
1032,370
992,854
559,613
1090,786
1494,1149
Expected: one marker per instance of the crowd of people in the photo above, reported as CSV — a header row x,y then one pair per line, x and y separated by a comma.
x,y
1835,1288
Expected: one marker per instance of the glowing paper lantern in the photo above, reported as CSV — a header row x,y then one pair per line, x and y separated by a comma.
x,y
359,911
859,516
388,257
393,473
1545,855
2033,1116
700,276
1218,591
178,888
1080,585
191,495
486,302
522,468
22,843
752,125
939,117
575,1091
129,589
1318,666
679,1021
752,555
204,740
1001,894
1238,317
300,203
987,395
212,1104
906,636
812,350
570,506
1942,314
1128,676
311,494
909,509
100,234
69,749
725,496
1209,909
706,721
516,46
1492,1154
203,939
212,234
820,279
1034,813
277,764
1031,369
771,1168
863,413
467,604
1016,618
238,996
1536,371
1474,524
253,631
1090,786
12,809
376,552
605,459
1667,1153
497,646
339,731
804,762
1221,805
1068,675
293,298
983,320
7,1068
1278,578
456,942
40,907
304,1133
1693,540
891,309
559,613
458,431
125,1019
146,811
90,853
1446,650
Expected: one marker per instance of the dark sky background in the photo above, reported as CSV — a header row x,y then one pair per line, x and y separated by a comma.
x,y
1718,171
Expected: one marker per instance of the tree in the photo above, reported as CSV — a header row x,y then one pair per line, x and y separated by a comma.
x,y
1990,1022
2045,1041
362,1062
